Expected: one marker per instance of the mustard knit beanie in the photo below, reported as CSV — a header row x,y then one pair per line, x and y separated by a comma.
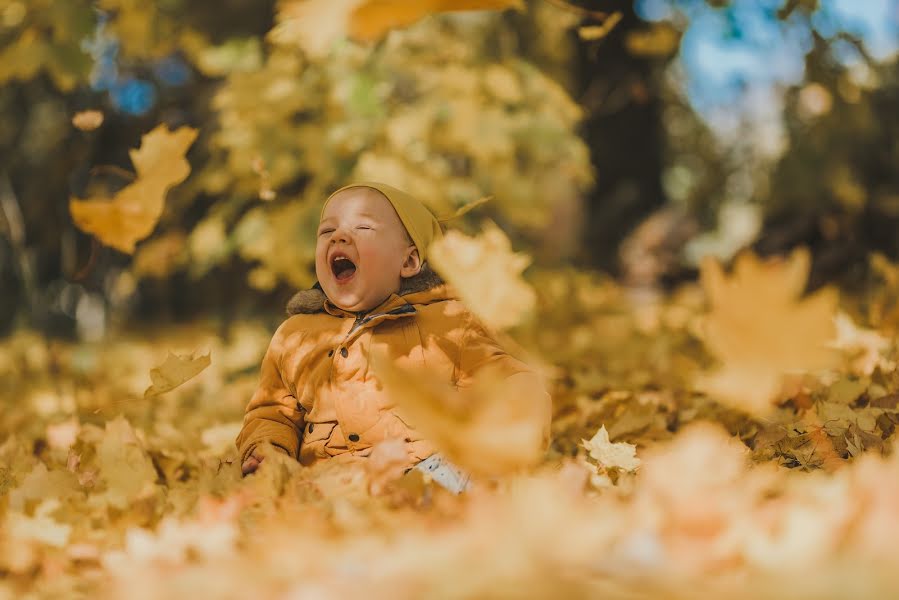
x,y
419,222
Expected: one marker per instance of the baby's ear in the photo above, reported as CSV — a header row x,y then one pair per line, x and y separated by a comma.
x,y
412,264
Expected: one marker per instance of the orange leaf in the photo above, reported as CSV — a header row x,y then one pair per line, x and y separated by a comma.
x,y
372,20
134,211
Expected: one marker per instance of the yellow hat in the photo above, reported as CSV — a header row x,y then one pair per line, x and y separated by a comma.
x,y
419,222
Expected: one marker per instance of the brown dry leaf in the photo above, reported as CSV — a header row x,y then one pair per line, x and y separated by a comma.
x,y
620,455
493,428
134,211
315,25
760,328
88,120
176,370
486,274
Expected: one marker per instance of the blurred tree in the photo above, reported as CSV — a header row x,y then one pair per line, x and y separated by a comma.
x,y
836,189
620,87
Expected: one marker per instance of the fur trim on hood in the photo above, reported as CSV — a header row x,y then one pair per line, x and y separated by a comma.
x,y
313,300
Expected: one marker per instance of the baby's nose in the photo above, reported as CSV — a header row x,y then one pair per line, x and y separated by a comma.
x,y
340,235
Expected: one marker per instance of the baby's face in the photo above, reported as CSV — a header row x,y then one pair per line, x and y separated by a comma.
x,y
363,251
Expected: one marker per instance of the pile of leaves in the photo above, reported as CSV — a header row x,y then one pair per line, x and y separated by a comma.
x,y
677,467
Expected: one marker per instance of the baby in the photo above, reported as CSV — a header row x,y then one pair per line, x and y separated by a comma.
x,y
318,396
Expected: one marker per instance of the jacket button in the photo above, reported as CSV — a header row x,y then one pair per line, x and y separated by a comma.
x,y
343,352
311,427
354,437
331,352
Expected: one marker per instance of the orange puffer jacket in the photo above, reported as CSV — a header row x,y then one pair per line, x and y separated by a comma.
x,y
318,397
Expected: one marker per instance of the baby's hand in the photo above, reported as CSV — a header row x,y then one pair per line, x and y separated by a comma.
x,y
251,463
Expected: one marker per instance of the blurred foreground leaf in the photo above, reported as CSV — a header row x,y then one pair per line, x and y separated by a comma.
x,y
761,328
486,274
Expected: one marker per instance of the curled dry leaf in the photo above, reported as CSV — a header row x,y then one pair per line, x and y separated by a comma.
x,y
176,370
134,211
486,274
761,328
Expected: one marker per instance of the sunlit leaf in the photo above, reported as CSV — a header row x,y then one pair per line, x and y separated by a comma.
x,y
620,455
486,274
761,328
176,370
133,213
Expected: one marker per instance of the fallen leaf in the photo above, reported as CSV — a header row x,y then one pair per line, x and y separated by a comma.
x,y
176,370
486,274
124,464
39,528
620,455
132,214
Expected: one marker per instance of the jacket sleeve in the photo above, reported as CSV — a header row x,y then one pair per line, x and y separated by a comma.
x,y
480,350
272,414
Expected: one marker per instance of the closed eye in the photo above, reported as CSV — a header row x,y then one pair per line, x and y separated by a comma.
x,y
324,231
363,227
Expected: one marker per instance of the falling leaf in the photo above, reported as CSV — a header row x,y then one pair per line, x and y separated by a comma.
x,y
316,24
176,370
88,120
486,274
760,328
134,211
493,428
620,455
597,32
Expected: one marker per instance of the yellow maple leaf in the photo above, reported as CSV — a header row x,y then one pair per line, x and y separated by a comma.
x,y
494,428
760,328
315,25
486,274
134,211
176,370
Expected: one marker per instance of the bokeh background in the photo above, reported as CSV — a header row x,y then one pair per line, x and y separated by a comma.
x,y
687,128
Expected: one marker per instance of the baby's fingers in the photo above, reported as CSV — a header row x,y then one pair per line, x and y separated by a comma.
x,y
251,464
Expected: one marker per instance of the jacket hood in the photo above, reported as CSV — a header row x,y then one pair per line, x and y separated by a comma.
x,y
313,300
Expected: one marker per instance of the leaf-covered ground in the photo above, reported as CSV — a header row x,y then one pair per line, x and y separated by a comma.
x,y
112,488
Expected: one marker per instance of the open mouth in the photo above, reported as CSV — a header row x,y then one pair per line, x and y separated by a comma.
x,y
343,268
